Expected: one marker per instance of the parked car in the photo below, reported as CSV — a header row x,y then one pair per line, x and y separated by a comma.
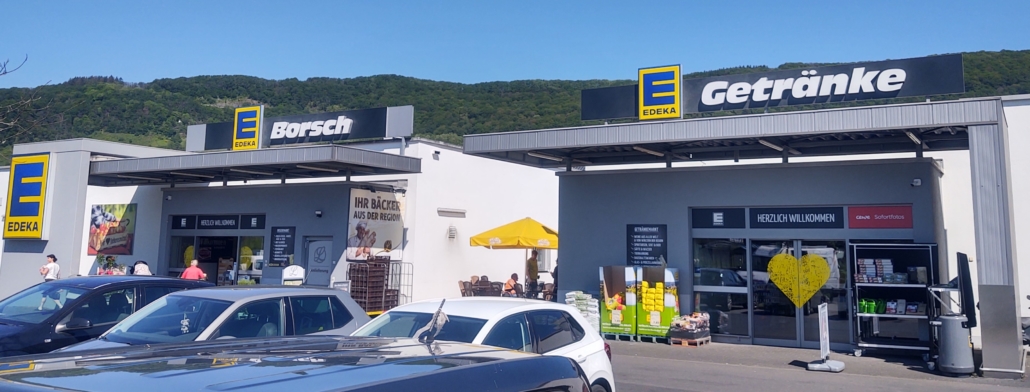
x,y
518,324
58,313
297,363
235,312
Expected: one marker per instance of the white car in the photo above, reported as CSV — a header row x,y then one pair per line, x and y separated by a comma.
x,y
234,312
519,324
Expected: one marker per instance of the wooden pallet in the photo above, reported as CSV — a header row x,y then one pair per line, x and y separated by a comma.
x,y
652,339
691,342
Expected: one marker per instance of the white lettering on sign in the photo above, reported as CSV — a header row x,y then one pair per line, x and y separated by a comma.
x,y
797,218
287,130
809,85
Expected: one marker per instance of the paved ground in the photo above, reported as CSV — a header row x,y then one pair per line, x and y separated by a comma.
x,y
647,367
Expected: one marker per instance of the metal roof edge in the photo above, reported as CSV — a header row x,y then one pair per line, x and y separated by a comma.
x,y
756,166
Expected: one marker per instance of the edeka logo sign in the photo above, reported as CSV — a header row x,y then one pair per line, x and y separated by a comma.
x,y
659,90
26,194
247,128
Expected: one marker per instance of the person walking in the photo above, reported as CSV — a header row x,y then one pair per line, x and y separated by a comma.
x,y
51,270
532,274
194,272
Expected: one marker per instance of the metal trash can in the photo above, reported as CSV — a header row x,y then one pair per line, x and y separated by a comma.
x,y
955,355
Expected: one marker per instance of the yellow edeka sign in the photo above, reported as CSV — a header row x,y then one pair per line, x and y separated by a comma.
x,y
26,194
246,128
659,91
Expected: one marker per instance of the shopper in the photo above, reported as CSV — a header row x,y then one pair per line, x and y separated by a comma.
x,y
532,274
554,286
51,270
141,268
193,272
509,286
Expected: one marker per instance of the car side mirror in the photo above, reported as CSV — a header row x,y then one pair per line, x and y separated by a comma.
x,y
73,324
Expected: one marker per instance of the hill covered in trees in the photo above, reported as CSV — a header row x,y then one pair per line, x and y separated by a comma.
x,y
157,113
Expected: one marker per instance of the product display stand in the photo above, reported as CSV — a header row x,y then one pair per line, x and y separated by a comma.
x,y
891,301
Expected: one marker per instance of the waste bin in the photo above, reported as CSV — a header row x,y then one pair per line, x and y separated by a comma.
x,y
956,355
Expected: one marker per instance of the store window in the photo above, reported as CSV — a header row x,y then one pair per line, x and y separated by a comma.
x,y
252,260
181,252
721,284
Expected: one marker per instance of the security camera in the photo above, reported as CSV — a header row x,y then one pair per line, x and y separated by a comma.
x,y
168,197
917,182
318,213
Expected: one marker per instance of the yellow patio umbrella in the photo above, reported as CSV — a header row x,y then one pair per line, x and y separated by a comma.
x,y
521,234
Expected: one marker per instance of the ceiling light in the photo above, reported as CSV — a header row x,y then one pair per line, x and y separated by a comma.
x,y
259,173
138,177
770,145
915,139
325,169
192,175
649,151
544,156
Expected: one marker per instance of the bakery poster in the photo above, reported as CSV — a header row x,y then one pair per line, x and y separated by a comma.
x,y
112,228
375,227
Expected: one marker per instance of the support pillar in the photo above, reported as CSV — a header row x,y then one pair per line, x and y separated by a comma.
x,y
998,274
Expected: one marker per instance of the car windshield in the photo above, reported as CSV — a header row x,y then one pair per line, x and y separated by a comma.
x,y
172,318
404,325
37,303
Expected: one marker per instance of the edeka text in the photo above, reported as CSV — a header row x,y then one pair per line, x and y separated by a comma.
x,y
23,226
658,112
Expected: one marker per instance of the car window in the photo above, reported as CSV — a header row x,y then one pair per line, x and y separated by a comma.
x,y
404,325
106,307
255,319
152,293
311,314
172,318
341,316
553,330
37,303
512,333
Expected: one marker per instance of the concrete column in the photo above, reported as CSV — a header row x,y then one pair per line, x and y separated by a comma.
x,y
995,251
66,191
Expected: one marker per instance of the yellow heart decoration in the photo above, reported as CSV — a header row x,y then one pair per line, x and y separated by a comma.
x,y
799,281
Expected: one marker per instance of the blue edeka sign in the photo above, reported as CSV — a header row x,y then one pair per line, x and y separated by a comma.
x,y
26,195
660,91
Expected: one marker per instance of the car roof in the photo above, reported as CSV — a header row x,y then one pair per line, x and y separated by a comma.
x,y
298,362
238,293
480,307
92,282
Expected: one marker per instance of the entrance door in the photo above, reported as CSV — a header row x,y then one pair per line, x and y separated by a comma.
x,y
319,262
776,319
216,256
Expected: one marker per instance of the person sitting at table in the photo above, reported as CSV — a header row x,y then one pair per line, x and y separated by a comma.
x,y
509,286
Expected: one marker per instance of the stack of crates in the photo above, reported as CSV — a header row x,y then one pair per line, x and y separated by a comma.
x,y
370,286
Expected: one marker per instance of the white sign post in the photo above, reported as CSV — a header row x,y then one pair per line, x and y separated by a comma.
x,y
824,364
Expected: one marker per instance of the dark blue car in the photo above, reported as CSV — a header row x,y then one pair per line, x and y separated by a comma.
x,y
62,312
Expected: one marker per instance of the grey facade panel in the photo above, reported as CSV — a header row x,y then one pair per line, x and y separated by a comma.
x,y
991,203
195,136
858,119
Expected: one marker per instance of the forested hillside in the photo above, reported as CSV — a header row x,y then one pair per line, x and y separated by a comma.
x,y
157,113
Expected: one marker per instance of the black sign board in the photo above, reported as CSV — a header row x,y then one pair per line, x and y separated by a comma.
x,y
798,218
310,128
646,244
210,222
184,222
913,77
282,246
718,218
251,222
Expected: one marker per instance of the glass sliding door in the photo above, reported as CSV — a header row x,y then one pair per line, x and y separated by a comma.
x,y
720,284
774,316
834,293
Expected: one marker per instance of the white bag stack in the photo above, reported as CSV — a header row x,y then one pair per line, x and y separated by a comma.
x,y
587,305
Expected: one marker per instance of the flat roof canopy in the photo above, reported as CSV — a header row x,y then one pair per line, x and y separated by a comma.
x,y
263,164
930,126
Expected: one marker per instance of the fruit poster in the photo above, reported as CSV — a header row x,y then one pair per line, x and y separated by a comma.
x,y
112,229
657,300
619,310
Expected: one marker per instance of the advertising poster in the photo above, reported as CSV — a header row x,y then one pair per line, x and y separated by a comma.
x,y
619,309
375,229
112,229
657,300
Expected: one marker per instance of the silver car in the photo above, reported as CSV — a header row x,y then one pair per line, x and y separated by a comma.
x,y
234,312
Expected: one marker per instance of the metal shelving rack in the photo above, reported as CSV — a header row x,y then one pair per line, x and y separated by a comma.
x,y
890,330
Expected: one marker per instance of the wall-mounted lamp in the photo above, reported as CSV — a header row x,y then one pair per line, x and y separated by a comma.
x,y
318,213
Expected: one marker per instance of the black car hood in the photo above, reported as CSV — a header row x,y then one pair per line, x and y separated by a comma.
x,y
303,363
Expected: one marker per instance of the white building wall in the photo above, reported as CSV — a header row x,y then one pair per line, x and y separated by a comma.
x,y
148,222
1017,114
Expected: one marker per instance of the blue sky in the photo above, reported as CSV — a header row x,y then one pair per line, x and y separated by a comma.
x,y
479,41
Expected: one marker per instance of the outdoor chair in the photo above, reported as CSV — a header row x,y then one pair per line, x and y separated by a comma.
x,y
467,289
461,288
548,291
